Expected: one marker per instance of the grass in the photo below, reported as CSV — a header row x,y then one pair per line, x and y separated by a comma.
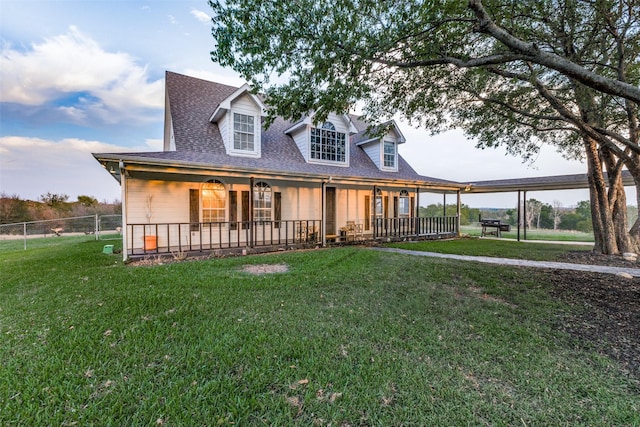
x,y
347,336
493,248
535,234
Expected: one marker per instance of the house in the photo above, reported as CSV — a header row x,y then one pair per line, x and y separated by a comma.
x,y
225,181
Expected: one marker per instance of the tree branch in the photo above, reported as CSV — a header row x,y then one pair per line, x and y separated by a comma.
x,y
550,60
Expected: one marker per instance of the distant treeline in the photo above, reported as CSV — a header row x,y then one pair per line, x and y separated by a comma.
x,y
539,215
13,209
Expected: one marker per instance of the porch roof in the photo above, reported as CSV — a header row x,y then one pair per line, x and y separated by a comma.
x,y
542,183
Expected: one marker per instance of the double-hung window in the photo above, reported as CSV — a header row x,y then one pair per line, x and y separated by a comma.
x,y
243,132
389,154
328,144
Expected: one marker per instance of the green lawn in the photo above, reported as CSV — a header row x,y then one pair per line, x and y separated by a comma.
x,y
348,336
493,248
558,235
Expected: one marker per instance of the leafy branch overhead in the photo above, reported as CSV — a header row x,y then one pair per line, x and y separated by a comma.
x,y
513,73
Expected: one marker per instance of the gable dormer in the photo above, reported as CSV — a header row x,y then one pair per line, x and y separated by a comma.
x,y
324,143
239,118
383,150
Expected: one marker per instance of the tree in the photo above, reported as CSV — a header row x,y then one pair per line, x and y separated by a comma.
x,y
557,213
13,209
534,208
518,74
54,200
88,201
467,214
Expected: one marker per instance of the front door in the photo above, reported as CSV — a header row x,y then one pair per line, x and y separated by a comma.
x,y
330,219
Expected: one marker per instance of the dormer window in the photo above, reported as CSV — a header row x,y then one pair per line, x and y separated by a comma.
x,y
243,132
390,155
328,144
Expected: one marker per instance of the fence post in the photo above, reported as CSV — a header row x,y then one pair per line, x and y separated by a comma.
x,y
24,227
97,227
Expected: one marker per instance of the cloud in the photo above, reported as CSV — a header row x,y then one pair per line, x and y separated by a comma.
x,y
64,166
201,16
228,78
73,73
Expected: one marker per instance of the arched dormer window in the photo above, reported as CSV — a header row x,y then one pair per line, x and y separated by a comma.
x,y
328,144
213,201
262,201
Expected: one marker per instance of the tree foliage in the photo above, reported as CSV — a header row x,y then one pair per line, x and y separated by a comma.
x,y
517,74
467,215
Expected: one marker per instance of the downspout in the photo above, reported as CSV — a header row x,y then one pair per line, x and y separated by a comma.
x,y
123,207
458,212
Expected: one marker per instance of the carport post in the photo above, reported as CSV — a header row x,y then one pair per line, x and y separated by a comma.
x,y
458,212
524,208
518,215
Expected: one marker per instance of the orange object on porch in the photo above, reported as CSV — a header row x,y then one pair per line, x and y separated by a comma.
x,y
150,243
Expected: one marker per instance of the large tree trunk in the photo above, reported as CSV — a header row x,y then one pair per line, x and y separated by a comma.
x,y
617,201
603,229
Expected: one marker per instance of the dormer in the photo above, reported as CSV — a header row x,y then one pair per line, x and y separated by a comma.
x,y
239,118
382,149
324,143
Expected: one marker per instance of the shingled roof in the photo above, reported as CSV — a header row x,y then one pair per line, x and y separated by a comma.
x,y
198,142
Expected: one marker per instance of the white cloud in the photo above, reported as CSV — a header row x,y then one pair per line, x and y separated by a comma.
x,y
109,86
201,16
229,78
30,167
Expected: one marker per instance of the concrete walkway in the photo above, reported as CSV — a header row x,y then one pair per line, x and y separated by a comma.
x,y
635,272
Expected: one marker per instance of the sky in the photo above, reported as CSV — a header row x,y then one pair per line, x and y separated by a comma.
x,y
85,76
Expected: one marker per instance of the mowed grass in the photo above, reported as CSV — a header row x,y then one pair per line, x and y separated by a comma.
x,y
348,336
474,246
534,234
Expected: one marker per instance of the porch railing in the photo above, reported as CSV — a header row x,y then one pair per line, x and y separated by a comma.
x,y
159,238
193,237
416,226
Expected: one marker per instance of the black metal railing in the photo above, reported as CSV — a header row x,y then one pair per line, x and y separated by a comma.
x,y
161,238
416,226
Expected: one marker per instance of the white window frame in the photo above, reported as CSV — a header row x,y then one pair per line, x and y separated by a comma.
x,y
262,202
242,134
404,204
378,207
325,145
214,209
392,157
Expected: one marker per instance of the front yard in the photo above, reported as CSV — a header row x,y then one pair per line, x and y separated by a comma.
x,y
344,336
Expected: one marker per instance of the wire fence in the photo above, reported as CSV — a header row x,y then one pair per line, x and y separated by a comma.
x,y
98,227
